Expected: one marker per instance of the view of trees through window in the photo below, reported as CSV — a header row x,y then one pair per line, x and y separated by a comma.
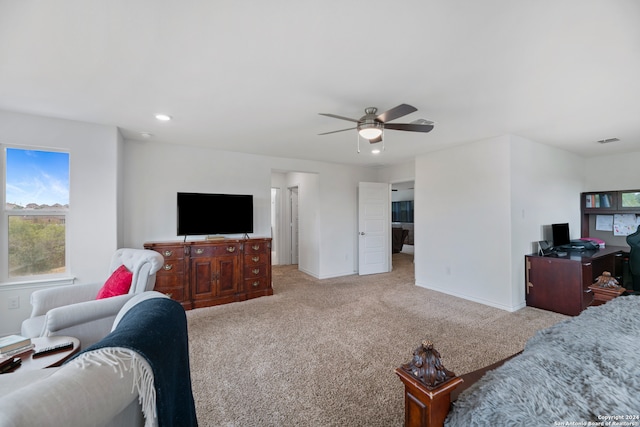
x,y
631,199
37,202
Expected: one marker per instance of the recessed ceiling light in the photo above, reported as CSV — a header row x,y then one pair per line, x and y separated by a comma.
x,y
163,117
375,151
146,134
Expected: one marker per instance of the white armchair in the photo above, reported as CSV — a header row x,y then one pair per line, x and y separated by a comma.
x,y
74,310
107,387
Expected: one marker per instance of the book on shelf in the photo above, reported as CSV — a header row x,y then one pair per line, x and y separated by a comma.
x,y
13,342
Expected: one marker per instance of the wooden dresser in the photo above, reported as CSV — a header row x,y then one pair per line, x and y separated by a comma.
x,y
212,272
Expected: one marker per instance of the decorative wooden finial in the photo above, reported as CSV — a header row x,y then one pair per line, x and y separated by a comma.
x,y
427,367
605,280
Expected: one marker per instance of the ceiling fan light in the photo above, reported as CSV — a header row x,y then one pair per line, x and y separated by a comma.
x,y
370,130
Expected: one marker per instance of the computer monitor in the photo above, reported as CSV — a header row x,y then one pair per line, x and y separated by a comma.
x,y
560,234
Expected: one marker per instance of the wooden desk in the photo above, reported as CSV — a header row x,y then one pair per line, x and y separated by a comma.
x,y
50,360
561,283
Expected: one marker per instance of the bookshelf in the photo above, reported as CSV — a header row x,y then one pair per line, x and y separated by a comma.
x,y
594,203
601,202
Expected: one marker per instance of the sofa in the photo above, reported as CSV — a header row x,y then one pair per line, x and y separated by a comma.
x,y
137,375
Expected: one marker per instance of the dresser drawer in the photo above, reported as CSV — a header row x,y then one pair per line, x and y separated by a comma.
x,y
255,259
171,267
257,247
254,271
217,250
176,294
168,252
164,280
257,284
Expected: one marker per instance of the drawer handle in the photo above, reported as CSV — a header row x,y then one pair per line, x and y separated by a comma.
x,y
255,247
199,251
168,267
255,284
231,248
255,271
168,253
255,259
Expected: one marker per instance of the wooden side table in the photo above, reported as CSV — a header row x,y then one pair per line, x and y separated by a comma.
x,y
602,295
49,360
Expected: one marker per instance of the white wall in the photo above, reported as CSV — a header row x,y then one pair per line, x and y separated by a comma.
x,y
93,222
480,206
616,172
462,221
309,238
155,172
401,172
545,189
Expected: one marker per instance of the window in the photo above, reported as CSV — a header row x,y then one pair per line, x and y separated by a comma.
x,y
36,205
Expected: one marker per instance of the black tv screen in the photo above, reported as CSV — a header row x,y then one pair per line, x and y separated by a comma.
x,y
203,213
402,211
560,234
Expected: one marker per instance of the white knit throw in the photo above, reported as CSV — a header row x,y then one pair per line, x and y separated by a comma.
x,y
123,360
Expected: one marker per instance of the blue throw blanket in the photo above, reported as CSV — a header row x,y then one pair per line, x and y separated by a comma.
x,y
156,329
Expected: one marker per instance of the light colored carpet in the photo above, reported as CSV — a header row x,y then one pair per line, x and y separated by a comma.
x,y
323,352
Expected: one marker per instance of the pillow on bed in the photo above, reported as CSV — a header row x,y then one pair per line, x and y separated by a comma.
x,y
118,284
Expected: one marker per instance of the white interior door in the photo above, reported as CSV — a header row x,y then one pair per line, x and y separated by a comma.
x,y
293,215
374,228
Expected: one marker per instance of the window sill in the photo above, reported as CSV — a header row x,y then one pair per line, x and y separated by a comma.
x,y
49,282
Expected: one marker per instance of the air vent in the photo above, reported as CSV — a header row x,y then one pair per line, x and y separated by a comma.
x,y
608,140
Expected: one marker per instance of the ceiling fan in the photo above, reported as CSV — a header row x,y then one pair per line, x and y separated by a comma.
x,y
371,125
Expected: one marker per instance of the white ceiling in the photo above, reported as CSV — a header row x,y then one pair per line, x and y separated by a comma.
x,y
252,76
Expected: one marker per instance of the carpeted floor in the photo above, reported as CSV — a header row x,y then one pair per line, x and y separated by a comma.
x,y
323,352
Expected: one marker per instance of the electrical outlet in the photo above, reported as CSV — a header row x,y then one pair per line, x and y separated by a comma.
x,y
14,303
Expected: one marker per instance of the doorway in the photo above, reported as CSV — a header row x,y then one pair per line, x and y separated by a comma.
x,y
275,225
402,212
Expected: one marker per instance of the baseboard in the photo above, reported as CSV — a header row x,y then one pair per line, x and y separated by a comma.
x,y
330,276
474,299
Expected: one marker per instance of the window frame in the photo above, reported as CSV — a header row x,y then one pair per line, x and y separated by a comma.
x,y
6,213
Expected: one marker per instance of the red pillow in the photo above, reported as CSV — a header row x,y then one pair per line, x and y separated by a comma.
x,y
118,284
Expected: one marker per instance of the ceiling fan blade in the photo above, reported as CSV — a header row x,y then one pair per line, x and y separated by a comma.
x,y
412,127
396,112
334,131
339,117
376,139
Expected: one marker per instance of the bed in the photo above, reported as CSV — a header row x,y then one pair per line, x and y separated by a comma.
x,y
582,371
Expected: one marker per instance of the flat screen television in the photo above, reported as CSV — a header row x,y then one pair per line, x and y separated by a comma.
x,y
206,214
402,211
560,234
